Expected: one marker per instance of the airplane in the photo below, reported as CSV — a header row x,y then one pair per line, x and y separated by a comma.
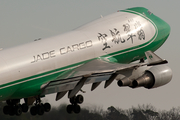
x,y
119,46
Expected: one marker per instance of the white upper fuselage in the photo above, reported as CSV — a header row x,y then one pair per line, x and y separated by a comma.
x,y
75,46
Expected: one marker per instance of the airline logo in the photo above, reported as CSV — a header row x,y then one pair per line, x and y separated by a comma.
x,y
151,57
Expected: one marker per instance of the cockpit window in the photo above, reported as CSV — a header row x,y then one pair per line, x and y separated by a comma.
x,y
149,12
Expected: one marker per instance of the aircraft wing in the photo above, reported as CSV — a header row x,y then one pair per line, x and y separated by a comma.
x,y
94,71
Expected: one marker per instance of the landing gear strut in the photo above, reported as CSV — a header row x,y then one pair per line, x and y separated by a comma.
x,y
74,107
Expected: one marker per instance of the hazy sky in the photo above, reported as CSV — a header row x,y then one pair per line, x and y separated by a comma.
x,y
23,21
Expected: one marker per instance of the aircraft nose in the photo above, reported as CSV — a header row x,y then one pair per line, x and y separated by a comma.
x,y
168,29
165,29
162,27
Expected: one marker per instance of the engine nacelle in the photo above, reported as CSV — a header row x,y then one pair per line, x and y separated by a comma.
x,y
154,77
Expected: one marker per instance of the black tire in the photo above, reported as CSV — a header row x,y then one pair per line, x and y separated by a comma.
x,y
24,107
40,109
47,107
77,109
69,109
11,110
6,110
18,110
33,110
79,99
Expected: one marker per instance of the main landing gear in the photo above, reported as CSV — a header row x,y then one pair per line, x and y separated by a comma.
x,y
39,108
74,107
14,107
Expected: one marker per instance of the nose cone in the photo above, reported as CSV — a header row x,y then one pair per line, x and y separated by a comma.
x,y
163,29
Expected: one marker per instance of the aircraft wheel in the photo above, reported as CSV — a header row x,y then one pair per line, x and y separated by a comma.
x,y
11,110
77,109
79,99
33,110
40,110
47,107
24,107
6,110
70,109
18,110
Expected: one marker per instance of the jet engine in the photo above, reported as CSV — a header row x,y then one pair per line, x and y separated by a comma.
x,y
152,77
